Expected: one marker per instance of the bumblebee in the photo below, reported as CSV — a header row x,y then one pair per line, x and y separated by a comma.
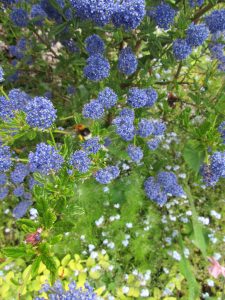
x,y
83,132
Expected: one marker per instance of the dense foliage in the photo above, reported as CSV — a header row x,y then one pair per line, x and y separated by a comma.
x,y
112,149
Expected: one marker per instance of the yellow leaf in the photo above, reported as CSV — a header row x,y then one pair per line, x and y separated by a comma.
x,y
131,278
157,293
41,268
100,290
133,292
104,264
95,275
90,262
77,257
66,260
81,279
9,275
26,273
170,298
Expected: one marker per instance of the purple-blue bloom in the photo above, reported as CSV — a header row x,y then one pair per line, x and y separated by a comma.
x,y
106,175
3,192
221,130
163,15
3,178
6,111
145,128
152,96
38,14
5,158
137,97
93,110
97,68
107,98
159,127
20,210
124,124
127,62
19,173
1,74
197,34
154,143
80,161
181,49
45,160
216,21
19,191
19,99
40,113
92,145
19,17
194,3
135,153
154,192
94,45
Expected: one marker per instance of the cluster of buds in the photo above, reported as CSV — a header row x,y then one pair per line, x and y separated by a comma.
x,y
34,238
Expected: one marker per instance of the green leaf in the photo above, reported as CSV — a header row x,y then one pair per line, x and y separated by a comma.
x,y
49,262
15,251
35,266
193,155
29,223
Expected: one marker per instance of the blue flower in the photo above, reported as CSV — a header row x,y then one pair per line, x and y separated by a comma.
x,y
221,130
94,45
154,143
128,13
152,96
93,110
80,161
124,124
145,128
135,153
181,49
51,11
99,11
106,175
159,127
218,163
38,14
19,17
6,111
216,21
70,45
107,98
40,113
163,15
5,158
197,34
19,191
137,97
1,74
72,292
194,3
154,192
19,99
3,192
20,210
127,62
92,145
71,90
45,160
97,68
3,178
19,173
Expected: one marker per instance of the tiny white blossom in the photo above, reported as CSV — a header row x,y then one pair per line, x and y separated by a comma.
x,y
100,221
82,237
111,268
117,205
125,243
215,214
91,247
94,254
210,282
129,225
106,189
203,220
103,252
111,245
176,256
144,293
125,289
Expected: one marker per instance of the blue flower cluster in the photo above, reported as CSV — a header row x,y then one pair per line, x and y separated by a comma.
x,y
135,153
6,112
106,175
91,146
97,68
40,113
19,99
127,62
152,96
80,161
195,36
194,3
70,45
53,12
215,170
158,189
145,128
3,192
108,98
1,74
216,21
154,143
18,50
93,110
126,13
94,44
20,210
38,15
19,173
58,292
217,52
45,159
5,158
137,97
163,15
19,17
221,130
124,124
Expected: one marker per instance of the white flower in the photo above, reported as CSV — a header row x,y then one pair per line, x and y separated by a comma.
x,y
186,252
106,189
82,237
125,289
166,270
215,214
100,221
129,225
135,272
210,282
182,175
176,255
144,293
217,256
204,221
111,245
105,242
91,247
189,213
125,243
117,205
94,254
111,268
103,252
